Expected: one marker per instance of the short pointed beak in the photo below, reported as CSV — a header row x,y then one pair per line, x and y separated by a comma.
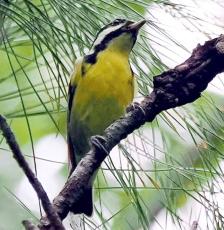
x,y
137,25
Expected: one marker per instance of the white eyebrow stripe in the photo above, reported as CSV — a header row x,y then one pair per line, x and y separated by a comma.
x,y
103,34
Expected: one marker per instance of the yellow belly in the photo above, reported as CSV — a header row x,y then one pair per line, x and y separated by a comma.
x,y
101,97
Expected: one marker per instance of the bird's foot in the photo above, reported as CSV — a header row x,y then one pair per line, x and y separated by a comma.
x,y
133,106
98,142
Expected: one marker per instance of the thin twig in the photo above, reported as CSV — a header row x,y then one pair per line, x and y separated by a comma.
x,y
17,154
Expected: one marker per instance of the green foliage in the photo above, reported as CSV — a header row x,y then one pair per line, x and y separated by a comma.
x,y
159,167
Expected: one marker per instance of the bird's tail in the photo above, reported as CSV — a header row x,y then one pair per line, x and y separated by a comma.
x,y
85,203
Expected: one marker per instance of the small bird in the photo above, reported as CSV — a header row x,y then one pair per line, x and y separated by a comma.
x,y
100,89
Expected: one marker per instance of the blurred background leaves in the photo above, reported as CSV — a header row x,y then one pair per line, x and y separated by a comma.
x,y
154,178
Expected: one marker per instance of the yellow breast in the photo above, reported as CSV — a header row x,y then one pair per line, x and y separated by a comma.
x,y
102,94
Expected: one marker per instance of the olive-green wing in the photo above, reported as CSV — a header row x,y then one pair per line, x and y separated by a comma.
x,y
74,80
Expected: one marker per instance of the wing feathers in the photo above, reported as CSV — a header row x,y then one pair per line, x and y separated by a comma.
x,y
75,77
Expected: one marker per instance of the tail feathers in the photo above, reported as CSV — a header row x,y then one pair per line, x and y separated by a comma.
x,y
85,203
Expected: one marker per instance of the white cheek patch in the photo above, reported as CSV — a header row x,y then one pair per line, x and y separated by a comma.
x,y
103,34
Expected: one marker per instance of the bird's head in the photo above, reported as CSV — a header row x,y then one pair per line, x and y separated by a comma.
x,y
119,36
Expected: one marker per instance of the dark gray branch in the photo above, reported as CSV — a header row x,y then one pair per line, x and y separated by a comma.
x,y
17,154
173,88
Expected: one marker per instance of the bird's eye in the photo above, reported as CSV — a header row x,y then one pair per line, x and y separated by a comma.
x,y
117,21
